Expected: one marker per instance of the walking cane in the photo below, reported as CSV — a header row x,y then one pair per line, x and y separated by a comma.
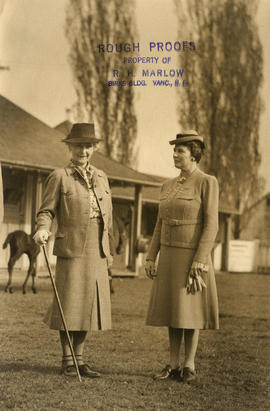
x,y
61,312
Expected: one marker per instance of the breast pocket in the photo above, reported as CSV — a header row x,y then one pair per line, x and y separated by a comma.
x,y
71,204
187,205
67,194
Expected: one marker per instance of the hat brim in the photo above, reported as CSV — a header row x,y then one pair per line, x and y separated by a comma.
x,y
187,139
80,140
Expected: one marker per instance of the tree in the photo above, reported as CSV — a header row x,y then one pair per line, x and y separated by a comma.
x,y
222,99
88,24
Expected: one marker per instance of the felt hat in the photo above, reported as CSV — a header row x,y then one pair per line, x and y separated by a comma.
x,y
82,133
186,136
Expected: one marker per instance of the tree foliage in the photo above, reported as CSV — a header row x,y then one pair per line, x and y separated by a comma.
x,y
89,23
222,99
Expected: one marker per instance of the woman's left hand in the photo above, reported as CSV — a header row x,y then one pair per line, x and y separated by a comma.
x,y
195,281
150,269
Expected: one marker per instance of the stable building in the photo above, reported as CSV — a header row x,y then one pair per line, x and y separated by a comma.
x,y
255,225
30,150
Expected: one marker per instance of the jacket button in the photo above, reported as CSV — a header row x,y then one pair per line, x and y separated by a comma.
x,y
100,199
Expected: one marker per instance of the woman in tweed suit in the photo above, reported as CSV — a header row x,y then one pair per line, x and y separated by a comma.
x,y
184,296
79,197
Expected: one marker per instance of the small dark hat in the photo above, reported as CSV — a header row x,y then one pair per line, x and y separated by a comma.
x,y
82,133
187,135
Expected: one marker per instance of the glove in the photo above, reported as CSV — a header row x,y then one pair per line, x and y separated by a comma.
x,y
41,237
109,261
150,269
195,281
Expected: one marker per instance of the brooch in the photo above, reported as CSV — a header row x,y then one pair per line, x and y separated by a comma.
x,y
181,180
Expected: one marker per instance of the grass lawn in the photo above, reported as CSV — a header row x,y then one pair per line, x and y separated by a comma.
x,y
232,363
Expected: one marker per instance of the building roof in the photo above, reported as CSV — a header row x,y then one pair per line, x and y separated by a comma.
x,y
27,142
264,197
64,127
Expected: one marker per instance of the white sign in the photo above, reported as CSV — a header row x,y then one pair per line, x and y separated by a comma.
x,y
242,255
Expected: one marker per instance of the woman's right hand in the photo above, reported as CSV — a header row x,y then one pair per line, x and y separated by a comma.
x,y
41,237
150,269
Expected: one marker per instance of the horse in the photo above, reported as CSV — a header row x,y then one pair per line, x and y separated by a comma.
x,y
21,243
119,233
119,240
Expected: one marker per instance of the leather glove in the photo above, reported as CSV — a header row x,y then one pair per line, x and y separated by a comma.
x,y
195,281
150,269
41,237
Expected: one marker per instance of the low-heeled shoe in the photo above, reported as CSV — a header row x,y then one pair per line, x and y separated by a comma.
x,y
168,372
69,371
188,375
86,371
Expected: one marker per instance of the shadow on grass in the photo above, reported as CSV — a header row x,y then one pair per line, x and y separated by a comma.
x,y
18,367
242,317
52,370
130,374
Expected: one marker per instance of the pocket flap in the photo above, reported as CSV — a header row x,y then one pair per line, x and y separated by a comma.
x,y
185,196
67,194
59,235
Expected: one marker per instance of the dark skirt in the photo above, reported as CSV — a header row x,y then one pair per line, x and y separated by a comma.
x,y
170,305
83,287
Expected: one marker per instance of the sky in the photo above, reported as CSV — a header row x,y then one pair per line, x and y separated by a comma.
x,y
33,45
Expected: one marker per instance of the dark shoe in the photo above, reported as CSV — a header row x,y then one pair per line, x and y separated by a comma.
x,y
188,375
176,373
86,371
69,371
168,372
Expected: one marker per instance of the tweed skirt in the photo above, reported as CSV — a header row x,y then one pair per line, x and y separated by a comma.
x,y
83,287
170,305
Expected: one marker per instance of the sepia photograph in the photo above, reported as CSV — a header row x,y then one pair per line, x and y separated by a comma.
x,y
134,204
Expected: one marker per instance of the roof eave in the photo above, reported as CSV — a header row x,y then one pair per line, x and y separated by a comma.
x,y
43,168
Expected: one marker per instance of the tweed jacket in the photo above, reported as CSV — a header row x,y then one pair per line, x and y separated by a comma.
x,y
188,215
66,197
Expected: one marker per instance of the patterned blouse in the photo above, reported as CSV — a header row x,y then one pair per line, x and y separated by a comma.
x,y
87,174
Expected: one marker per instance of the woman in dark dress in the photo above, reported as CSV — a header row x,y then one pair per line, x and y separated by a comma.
x,y
78,196
184,296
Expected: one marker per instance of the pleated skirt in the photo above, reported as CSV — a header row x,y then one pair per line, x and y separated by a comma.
x,y
170,305
83,287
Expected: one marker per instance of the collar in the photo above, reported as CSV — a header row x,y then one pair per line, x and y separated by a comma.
x,y
87,167
182,178
73,168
